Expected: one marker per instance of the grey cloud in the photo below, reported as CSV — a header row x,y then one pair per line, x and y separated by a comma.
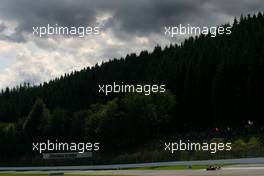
x,y
130,17
2,27
32,12
29,13
150,16
16,37
45,59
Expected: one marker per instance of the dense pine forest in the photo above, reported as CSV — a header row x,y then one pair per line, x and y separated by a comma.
x,y
210,82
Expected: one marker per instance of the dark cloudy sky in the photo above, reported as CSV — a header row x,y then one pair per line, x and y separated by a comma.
x,y
127,26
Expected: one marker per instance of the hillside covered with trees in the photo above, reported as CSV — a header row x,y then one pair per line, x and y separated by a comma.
x,y
210,82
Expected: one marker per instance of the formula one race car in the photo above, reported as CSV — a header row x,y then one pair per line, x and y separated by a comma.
x,y
213,168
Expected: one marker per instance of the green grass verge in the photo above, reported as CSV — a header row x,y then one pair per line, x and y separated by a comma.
x,y
194,167
183,167
38,174
21,174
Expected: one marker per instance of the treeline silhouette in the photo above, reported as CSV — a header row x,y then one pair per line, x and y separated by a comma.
x,y
210,82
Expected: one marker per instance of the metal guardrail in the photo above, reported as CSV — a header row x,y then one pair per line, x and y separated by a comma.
x,y
259,160
67,155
